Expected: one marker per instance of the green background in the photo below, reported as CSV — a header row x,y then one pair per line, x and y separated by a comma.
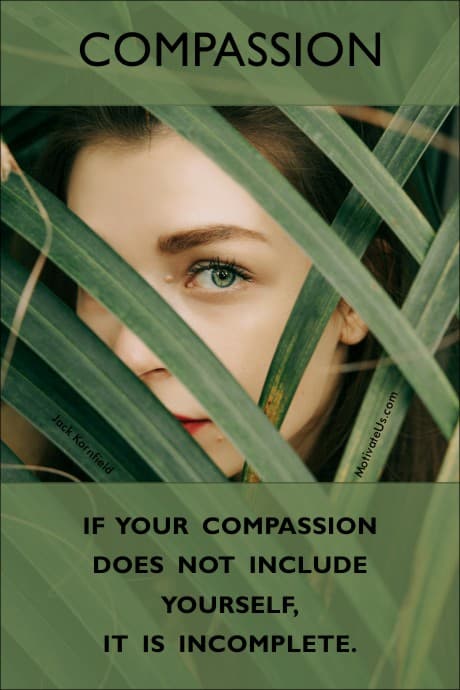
x,y
41,63
56,610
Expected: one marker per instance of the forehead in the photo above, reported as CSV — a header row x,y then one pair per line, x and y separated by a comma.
x,y
151,188
166,175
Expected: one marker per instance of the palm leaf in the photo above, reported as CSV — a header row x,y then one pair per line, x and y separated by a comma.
x,y
52,331
449,471
356,222
369,177
94,265
210,132
430,305
38,393
84,361
13,469
72,599
434,580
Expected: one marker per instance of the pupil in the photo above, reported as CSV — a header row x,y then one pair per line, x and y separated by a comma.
x,y
222,277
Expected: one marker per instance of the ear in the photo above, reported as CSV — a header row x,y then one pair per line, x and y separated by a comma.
x,y
353,328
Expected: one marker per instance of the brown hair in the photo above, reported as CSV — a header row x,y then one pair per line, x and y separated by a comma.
x,y
419,448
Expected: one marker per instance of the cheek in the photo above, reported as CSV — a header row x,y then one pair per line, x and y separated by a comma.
x,y
96,317
318,384
244,339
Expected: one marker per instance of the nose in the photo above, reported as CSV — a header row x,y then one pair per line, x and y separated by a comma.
x,y
136,355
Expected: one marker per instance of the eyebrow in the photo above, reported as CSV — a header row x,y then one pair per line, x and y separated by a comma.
x,y
182,240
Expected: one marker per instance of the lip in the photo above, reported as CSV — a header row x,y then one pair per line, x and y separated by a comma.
x,y
192,425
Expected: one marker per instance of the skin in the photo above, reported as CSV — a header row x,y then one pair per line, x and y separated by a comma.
x,y
169,211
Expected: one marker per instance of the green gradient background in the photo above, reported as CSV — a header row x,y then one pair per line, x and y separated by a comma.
x,y
55,611
41,63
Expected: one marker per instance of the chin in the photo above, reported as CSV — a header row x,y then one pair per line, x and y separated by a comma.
x,y
227,458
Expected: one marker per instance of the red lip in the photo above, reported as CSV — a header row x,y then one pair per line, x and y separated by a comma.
x,y
191,425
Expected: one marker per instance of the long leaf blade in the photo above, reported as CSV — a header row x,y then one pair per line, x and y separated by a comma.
x,y
39,394
210,132
13,469
56,335
430,305
434,578
368,175
356,222
94,265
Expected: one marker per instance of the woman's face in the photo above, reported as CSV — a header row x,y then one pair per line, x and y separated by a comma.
x,y
223,264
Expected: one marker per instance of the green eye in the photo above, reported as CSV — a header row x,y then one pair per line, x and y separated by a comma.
x,y
214,274
223,277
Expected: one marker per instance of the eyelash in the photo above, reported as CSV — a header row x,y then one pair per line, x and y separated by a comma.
x,y
218,264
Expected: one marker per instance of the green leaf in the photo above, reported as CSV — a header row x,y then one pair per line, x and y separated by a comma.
x,y
95,266
71,599
450,466
38,394
69,555
33,637
210,132
356,223
52,331
429,306
121,10
13,469
434,579
368,175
